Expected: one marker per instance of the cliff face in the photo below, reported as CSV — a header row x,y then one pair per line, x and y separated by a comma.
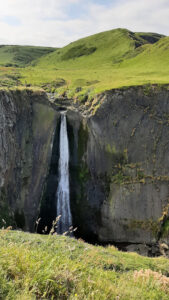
x,y
120,167
119,164
27,125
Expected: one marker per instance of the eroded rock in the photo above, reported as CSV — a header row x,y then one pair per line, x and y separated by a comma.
x,y
27,126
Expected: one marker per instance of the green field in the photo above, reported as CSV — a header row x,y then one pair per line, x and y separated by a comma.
x,y
20,56
104,61
57,267
112,59
12,58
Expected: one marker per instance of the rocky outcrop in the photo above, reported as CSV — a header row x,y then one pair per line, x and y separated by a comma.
x,y
27,126
120,167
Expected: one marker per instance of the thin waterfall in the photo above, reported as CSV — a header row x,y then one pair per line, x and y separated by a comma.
x,y
63,197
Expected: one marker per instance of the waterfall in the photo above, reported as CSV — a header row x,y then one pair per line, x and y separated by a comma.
x,y
63,198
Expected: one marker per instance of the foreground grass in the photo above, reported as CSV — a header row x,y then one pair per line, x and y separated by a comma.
x,y
57,267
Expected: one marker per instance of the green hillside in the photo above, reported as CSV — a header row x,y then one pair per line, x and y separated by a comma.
x,y
20,56
12,58
57,267
103,61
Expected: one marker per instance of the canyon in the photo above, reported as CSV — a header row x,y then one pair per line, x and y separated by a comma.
x,y
119,164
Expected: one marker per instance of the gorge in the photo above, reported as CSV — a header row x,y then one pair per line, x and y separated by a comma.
x,y
119,164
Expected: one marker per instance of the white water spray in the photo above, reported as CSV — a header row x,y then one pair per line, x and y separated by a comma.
x,y
63,198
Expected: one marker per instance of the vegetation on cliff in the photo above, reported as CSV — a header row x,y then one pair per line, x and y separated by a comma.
x,y
58,267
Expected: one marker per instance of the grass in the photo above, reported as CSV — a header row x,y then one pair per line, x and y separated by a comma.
x,y
12,58
107,60
112,59
20,56
58,267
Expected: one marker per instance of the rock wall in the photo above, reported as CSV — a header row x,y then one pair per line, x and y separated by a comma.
x,y
120,167
119,164
27,126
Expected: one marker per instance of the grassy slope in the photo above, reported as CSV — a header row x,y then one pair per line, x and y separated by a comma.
x,y
20,56
121,59
58,267
14,57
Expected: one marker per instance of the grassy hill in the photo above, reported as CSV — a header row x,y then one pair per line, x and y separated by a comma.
x,y
57,267
111,59
20,56
103,61
12,58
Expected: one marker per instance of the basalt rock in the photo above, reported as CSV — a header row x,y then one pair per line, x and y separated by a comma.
x,y
119,165
120,168
27,126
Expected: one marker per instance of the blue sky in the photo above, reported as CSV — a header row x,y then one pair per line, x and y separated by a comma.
x,y
78,9
11,20
58,22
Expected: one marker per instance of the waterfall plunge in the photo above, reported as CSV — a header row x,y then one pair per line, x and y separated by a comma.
x,y
63,198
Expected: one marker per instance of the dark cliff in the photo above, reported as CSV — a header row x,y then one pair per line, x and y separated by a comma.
x,y
27,126
119,164
120,167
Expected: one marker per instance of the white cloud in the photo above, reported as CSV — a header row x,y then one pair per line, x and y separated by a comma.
x,y
48,22
151,15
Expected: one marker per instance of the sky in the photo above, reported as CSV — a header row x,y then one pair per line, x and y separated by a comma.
x,y
58,22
